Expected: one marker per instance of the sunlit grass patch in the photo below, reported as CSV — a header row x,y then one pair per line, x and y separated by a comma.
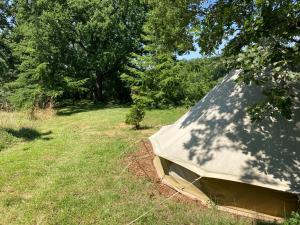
x,y
72,172
20,126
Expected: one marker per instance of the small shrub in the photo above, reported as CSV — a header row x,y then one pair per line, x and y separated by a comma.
x,y
135,116
294,219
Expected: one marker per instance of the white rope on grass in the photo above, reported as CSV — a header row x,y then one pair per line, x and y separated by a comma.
x,y
153,209
162,202
136,159
129,164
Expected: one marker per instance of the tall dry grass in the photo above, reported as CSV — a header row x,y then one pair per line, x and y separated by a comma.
x,y
14,120
21,123
17,120
44,114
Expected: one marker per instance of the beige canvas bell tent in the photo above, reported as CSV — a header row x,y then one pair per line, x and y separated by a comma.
x,y
216,155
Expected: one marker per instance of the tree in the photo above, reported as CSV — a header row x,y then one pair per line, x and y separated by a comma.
x,y
157,79
261,37
4,29
135,116
42,49
154,81
199,76
72,46
105,33
7,70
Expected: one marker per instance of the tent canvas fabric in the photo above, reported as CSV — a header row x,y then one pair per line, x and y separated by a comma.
x,y
217,141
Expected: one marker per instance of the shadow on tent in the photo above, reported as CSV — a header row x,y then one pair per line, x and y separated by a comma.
x,y
274,145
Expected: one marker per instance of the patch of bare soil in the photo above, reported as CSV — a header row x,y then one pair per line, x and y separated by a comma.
x,y
141,165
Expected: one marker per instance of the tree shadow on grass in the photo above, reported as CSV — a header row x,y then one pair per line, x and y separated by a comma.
x,y
143,127
266,223
79,107
28,134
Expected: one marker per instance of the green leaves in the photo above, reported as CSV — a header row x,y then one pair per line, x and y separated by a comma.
x,y
153,79
63,46
294,219
262,35
158,80
169,23
261,65
135,115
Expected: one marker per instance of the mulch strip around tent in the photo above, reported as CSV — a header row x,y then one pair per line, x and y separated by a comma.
x,y
141,165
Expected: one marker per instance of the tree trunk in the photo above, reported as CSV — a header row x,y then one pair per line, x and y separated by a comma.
x,y
99,87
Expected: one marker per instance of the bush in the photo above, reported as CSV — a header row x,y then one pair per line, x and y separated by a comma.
x,y
293,220
135,116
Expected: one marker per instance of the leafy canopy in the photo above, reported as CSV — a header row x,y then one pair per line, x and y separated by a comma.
x,y
6,57
261,37
68,47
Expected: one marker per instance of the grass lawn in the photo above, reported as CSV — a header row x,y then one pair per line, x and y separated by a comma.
x,y
66,170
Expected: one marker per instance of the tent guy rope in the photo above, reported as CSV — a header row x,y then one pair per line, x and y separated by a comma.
x,y
162,202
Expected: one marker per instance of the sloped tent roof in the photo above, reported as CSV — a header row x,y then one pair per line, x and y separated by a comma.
x,y
216,139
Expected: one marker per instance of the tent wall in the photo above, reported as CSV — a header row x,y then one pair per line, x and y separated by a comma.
x,y
217,139
232,195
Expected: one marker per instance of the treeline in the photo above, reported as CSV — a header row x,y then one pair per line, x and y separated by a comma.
x,y
159,81
125,50
55,50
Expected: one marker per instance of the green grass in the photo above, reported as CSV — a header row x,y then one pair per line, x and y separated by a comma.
x,y
66,170
14,127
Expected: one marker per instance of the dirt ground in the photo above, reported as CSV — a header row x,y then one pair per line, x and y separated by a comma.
x,y
141,165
